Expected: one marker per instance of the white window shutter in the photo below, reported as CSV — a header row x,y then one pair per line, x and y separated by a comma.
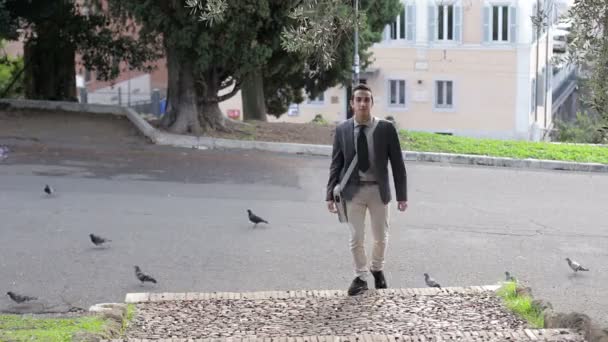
x,y
411,22
432,22
458,23
486,24
386,34
397,20
513,24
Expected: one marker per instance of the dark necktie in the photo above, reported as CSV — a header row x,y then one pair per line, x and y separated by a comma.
x,y
363,160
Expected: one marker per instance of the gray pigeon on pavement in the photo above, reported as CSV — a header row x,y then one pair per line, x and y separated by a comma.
x,y
49,191
19,298
575,266
143,277
98,240
255,219
3,152
430,282
510,277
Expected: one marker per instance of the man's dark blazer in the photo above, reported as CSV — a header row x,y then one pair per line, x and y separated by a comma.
x,y
386,147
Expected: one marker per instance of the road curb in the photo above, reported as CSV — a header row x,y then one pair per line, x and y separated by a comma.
x,y
177,140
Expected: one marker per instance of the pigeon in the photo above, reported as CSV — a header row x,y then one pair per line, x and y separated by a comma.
x,y
575,266
49,191
19,298
510,277
253,218
430,282
98,240
143,277
3,152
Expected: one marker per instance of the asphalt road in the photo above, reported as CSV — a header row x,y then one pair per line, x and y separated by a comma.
x,y
181,215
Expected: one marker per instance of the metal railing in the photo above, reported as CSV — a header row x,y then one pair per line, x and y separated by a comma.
x,y
562,80
150,103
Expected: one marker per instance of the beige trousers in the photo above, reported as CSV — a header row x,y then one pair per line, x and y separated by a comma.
x,y
367,198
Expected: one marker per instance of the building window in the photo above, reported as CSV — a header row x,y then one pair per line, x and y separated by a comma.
x,y
444,94
396,93
500,23
445,22
398,27
404,26
319,100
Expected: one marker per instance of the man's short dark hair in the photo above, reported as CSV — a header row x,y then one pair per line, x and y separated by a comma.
x,y
361,86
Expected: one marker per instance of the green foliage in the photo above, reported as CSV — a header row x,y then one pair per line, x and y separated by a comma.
x,y
54,31
8,24
222,53
129,315
521,305
318,30
373,17
311,43
430,142
319,119
24,328
588,47
335,65
210,11
11,74
586,129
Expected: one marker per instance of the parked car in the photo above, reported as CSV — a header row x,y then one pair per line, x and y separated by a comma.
x,y
560,40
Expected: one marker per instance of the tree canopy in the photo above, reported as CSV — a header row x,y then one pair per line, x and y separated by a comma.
x,y
588,47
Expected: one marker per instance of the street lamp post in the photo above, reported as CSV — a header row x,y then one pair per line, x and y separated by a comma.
x,y
356,57
548,21
537,24
355,75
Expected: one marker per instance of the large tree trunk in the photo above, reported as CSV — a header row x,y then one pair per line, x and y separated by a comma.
x,y
252,95
51,68
182,108
172,85
210,116
192,103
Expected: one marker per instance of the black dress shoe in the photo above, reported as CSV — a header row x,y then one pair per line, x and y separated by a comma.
x,y
379,279
357,287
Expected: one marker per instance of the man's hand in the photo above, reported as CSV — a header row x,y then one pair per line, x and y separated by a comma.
x,y
402,205
331,206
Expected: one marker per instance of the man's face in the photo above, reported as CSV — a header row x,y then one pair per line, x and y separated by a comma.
x,y
361,103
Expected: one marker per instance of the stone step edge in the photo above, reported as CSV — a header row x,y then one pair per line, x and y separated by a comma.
x,y
503,335
146,297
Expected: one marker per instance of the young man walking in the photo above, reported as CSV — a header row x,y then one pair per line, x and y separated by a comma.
x,y
375,142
